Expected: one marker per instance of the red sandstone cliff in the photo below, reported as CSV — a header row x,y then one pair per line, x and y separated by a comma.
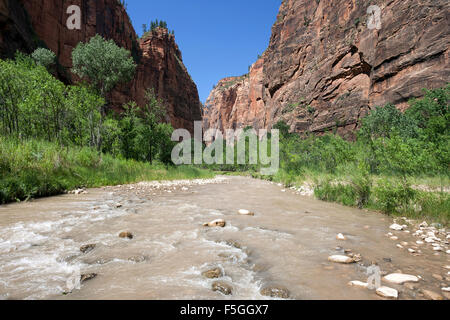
x,y
324,68
159,60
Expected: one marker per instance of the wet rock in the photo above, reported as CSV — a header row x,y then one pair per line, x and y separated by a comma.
x,y
233,243
387,259
275,292
340,259
87,277
87,248
126,234
396,227
222,287
387,292
358,284
118,205
400,278
437,277
431,295
213,273
244,212
216,223
137,259
340,236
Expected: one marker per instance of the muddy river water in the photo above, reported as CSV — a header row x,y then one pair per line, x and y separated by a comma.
x,y
286,243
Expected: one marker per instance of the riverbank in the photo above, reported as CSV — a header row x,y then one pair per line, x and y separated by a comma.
x,y
425,199
33,169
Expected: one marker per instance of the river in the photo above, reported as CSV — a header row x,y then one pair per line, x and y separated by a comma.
x,y
286,244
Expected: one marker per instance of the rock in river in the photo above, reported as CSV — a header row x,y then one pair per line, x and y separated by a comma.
x,y
387,292
340,259
358,284
340,236
222,287
216,223
275,292
396,227
126,234
400,278
87,277
87,248
213,273
244,212
430,295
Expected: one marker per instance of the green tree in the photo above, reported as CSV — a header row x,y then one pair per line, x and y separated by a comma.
x,y
104,65
44,57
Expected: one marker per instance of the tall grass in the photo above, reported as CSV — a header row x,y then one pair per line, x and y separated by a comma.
x,y
34,168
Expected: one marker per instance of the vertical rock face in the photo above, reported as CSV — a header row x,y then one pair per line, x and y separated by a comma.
x,y
159,60
325,69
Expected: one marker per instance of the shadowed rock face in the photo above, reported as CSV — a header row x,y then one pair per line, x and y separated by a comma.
x,y
159,60
324,68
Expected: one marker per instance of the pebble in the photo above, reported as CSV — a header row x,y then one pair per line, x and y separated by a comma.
x,y
437,277
222,287
244,212
87,277
431,295
340,236
126,234
340,259
419,242
394,238
387,292
213,273
216,223
358,284
275,292
437,248
446,289
396,227
400,278
399,246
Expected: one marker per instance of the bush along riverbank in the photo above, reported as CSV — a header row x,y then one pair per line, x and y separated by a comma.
x,y
33,168
398,164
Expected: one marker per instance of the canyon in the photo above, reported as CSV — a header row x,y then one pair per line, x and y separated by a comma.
x,y
28,24
324,69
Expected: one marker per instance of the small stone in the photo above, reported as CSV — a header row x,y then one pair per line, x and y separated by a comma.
x,y
411,250
419,242
358,284
126,234
340,259
387,259
431,295
400,278
394,238
429,240
244,212
396,227
399,246
222,287
438,248
446,289
340,236
387,292
404,243
437,277
119,205
87,277
216,223
213,273
87,248
275,292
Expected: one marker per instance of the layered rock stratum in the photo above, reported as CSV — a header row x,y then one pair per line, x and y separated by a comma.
x,y
324,69
27,24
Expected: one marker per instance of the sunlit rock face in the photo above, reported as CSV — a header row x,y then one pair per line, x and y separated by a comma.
x,y
325,68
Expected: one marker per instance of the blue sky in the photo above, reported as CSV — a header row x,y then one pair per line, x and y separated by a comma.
x,y
217,38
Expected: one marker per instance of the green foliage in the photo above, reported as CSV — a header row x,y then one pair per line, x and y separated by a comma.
x,y
44,57
102,63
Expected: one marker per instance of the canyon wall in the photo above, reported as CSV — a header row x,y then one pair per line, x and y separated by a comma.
x,y
325,69
160,64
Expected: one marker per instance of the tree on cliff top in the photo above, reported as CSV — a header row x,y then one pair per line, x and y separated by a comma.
x,y
103,64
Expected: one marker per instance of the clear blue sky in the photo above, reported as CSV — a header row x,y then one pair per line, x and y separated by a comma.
x,y
217,38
